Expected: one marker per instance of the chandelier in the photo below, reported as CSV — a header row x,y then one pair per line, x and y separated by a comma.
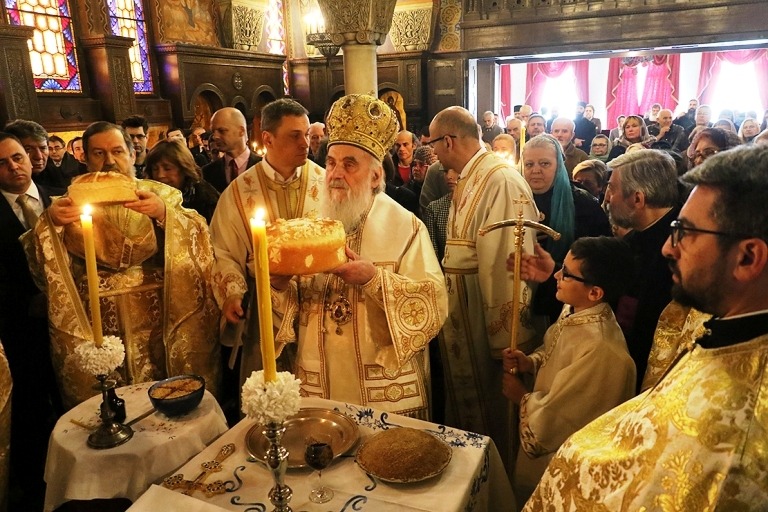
x,y
318,37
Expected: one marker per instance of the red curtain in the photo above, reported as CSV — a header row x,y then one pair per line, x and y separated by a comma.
x,y
661,83
621,98
505,107
710,68
539,72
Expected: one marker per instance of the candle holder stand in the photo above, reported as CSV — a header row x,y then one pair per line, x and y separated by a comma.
x,y
110,433
276,459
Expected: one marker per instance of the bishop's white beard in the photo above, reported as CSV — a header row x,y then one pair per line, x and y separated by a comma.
x,y
346,204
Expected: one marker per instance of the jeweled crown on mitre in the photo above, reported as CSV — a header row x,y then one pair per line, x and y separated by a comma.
x,y
363,121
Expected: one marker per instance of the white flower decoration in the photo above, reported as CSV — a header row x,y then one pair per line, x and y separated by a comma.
x,y
270,401
100,360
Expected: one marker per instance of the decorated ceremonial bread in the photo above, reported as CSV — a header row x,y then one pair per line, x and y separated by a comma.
x,y
403,455
102,188
305,245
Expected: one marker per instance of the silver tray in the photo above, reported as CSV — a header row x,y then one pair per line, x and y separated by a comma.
x,y
343,431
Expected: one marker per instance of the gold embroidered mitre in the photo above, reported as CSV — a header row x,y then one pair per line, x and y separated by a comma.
x,y
362,121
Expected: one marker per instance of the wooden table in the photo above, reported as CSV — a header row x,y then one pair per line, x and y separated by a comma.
x,y
475,479
74,471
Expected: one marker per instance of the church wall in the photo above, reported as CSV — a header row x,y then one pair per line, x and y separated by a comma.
x,y
429,74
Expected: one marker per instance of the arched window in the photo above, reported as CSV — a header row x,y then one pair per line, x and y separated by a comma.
x,y
52,47
126,18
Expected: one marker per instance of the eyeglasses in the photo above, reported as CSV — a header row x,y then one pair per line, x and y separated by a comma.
x,y
432,142
567,275
678,230
704,154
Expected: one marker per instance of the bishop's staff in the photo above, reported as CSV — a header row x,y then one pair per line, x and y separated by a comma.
x,y
519,223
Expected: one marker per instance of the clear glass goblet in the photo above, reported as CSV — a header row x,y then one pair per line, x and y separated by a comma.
x,y
318,454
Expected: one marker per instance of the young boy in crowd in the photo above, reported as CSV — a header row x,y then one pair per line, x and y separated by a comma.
x,y
583,368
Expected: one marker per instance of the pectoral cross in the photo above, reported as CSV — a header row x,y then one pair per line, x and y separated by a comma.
x,y
212,466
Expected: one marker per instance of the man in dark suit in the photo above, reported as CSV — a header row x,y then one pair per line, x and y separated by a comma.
x,y
24,328
230,132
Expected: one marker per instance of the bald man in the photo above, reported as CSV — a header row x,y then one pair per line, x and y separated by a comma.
x,y
668,135
563,130
229,135
480,297
316,136
513,129
405,143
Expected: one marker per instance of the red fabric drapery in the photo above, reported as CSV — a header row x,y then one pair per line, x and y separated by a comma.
x,y
621,98
710,68
505,103
539,72
662,82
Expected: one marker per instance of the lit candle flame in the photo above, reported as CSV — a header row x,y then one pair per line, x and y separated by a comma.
x,y
259,215
87,210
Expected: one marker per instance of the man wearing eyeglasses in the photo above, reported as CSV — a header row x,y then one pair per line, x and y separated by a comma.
x,y
480,294
137,128
642,196
697,437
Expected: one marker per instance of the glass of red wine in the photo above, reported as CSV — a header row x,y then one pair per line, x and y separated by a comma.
x,y
318,454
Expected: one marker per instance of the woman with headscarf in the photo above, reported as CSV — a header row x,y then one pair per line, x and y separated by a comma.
x,y
601,148
170,162
634,132
570,210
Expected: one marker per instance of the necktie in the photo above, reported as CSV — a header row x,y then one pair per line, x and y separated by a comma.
x,y
30,217
232,170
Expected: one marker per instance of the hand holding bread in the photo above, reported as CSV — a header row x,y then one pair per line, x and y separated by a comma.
x,y
355,270
149,204
62,211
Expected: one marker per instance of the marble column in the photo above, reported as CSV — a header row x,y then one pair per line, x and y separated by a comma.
x,y
358,26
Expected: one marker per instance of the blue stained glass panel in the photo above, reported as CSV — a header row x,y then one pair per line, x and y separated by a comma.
x,y
127,19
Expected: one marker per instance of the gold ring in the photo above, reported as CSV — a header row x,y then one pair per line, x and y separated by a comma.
x,y
513,371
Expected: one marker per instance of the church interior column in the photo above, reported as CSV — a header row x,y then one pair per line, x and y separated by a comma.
x,y
358,27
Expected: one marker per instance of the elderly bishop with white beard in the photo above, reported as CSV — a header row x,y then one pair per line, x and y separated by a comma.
x,y
391,288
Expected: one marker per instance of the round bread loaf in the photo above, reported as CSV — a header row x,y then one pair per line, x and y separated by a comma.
x,y
102,188
403,455
305,246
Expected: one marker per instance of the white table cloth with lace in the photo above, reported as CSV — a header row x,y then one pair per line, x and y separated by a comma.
x,y
475,479
74,471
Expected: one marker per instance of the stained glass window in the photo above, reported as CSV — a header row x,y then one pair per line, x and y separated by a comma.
x,y
126,18
52,47
276,35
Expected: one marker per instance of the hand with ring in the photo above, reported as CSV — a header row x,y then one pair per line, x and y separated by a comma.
x,y
515,361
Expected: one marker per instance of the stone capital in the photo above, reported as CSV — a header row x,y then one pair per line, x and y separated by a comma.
x,y
358,21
